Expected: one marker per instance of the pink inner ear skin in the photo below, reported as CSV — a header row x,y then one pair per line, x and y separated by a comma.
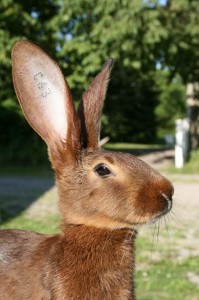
x,y
41,90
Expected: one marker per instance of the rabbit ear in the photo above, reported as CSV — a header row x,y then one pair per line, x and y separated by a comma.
x,y
91,107
44,96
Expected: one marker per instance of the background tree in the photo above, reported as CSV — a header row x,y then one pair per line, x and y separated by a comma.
x,y
171,103
18,20
180,55
146,38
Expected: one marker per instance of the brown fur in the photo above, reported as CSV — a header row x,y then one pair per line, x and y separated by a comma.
x,y
93,256
87,263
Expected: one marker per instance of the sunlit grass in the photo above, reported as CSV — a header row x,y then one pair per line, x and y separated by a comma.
x,y
48,225
165,278
190,167
131,146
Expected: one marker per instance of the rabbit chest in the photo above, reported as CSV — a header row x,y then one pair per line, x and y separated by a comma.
x,y
92,264
81,263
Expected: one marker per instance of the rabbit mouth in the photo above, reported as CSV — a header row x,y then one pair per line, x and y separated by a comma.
x,y
165,211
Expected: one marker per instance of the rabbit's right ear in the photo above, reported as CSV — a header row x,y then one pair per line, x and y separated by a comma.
x,y
45,99
90,108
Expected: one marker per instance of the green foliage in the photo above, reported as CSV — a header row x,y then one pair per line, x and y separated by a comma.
x,y
181,19
171,104
21,20
97,30
81,35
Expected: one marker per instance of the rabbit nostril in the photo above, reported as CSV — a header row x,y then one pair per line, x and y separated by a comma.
x,y
168,199
167,191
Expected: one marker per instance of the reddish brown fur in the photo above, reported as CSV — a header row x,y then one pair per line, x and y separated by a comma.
x,y
97,264
93,256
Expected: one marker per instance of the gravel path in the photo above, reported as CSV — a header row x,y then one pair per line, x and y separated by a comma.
x,y
159,159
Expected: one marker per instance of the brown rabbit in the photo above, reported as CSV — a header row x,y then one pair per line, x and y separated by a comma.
x,y
102,195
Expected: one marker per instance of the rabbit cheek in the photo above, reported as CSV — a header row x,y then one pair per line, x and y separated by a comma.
x,y
106,202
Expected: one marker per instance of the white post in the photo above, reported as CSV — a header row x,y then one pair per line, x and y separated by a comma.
x,y
182,142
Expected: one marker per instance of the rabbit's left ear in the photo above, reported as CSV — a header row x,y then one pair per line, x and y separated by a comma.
x,y
91,107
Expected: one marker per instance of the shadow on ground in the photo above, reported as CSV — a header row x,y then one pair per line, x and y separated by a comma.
x,y
18,193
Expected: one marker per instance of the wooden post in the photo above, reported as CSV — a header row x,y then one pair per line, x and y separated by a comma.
x,y
193,114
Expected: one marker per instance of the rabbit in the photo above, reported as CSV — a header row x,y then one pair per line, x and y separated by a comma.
x,y
103,195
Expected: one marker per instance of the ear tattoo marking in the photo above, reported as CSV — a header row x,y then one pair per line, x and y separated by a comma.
x,y
37,75
42,85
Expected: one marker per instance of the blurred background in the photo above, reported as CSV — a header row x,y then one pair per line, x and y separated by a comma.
x,y
155,47
151,110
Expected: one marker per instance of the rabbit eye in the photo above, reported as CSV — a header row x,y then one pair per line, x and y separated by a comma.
x,y
102,170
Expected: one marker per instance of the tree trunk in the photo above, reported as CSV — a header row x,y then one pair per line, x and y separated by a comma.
x,y
193,113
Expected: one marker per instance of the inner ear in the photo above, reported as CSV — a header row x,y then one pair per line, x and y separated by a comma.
x,y
44,96
41,91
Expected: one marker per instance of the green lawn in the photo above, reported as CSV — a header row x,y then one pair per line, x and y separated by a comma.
x,y
132,146
191,166
166,278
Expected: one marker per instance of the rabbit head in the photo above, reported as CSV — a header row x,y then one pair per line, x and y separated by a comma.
x,y
96,187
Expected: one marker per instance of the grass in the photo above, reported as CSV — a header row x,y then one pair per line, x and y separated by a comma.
x,y
190,167
132,146
165,278
49,225
15,212
167,281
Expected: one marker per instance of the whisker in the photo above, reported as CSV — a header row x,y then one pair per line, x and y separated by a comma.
x,y
168,233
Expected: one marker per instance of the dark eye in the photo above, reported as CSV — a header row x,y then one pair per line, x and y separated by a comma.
x,y
102,170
